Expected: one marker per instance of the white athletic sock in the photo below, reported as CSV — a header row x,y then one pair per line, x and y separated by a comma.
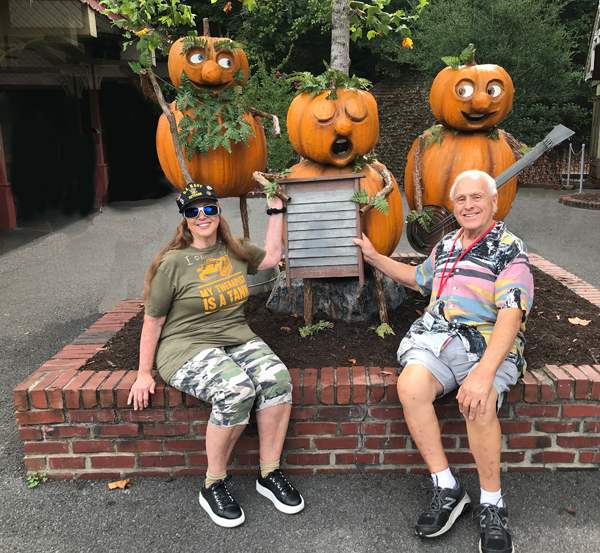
x,y
444,479
491,498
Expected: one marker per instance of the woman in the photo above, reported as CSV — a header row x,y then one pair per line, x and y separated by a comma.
x,y
194,294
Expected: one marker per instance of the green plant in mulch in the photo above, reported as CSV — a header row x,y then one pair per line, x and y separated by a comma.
x,y
362,197
309,331
425,218
382,330
36,478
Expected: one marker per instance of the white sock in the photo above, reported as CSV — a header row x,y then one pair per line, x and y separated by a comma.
x,y
444,479
491,498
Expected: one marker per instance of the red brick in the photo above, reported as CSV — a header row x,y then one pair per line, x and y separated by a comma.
x,y
515,427
581,410
93,446
345,470
195,472
248,459
448,412
40,417
555,427
403,458
582,384
547,392
54,391
30,434
71,390
157,399
350,428
199,428
309,387
296,386
145,415
198,460
162,460
307,458
79,415
367,458
166,429
512,456
563,381
514,393
553,457
103,475
20,397
113,461
175,397
107,390
35,463
246,443
88,390
385,443
373,470
38,392
377,388
66,462
309,428
343,385
577,441
191,401
336,443
144,473
449,442
124,388
327,385
591,426
529,442
376,428
594,378
126,446
302,413
334,412
589,457
359,385
531,388
539,411
116,430
460,457
386,412
401,429
40,448
190,414
346,458
529,469
187,445
296,443
391,384
453,428
67,431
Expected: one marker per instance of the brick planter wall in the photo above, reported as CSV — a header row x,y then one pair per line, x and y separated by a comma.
x,y
75,423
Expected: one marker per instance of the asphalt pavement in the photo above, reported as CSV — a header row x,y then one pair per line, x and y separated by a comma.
x,y
58,275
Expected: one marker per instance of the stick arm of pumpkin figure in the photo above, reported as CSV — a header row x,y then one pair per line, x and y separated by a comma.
x,y
384,192
273,118
263,179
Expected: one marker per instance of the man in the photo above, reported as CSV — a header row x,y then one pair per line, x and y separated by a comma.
x,y
471,338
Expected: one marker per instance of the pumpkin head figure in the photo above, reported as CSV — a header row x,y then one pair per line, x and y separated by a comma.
x,y
209,64
472,97
333,131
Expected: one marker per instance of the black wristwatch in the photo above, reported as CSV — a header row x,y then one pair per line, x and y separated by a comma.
x,y
273,211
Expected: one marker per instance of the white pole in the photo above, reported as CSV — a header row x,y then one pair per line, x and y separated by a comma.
x,y
581,172
569,167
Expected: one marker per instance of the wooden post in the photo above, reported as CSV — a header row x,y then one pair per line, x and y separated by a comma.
x,y
380,291
308,320
206,27
8,218
101,171
244,214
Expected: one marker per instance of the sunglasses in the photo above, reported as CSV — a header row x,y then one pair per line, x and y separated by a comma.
x,y
209,211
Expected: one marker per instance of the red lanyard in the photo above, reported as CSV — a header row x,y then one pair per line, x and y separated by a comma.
x,y
442,281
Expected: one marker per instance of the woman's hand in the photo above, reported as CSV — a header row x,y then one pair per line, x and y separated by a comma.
x,y
369,252
142,387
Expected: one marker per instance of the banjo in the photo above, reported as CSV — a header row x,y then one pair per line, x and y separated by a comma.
x,y
423,241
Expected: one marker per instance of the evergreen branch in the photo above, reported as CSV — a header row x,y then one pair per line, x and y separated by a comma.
x,y
361,161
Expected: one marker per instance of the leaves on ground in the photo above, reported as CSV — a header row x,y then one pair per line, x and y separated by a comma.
x,y
121,484
286,328
353,361
578,321
382,330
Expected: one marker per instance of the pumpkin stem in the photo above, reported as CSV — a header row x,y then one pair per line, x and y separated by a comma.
x,y
206,32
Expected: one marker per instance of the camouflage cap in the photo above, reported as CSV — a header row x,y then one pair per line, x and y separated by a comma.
x,y
193,192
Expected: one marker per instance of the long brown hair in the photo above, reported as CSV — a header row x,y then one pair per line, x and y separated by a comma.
x,y
183,238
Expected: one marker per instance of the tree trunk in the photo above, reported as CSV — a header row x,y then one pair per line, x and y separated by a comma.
x,y
340,35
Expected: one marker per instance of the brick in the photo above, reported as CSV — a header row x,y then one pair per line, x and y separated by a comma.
x,y
35,463
71,390
562,379
449,442
529,442
247,444
296,386
248,459
512,456
345,470
20,397
145,415
113,461
594,378
453,428
385,443
346,458
581,410
386,412
40,417
199,428
376,428
88,390
166,429
401,429
367,458
302,413
190,414
116,430
391,385
377,388
123,388
447,412
403,458
67,431
307,458
553,457
54,391
27,434
530,395
350,428
106,391
40,448
317,428
343,385
198,460
589,457
359,385
582,384
529,469
195,472
144,473
187,445
38,392
515,427
373,470
514,393
296,443
327,386
591,426
157,399
334,412
336,443
175,397
191,401
79,415
556,427
577,441
547,392
162,460
309,387
139,445
460,457
66,462
537,411
93,446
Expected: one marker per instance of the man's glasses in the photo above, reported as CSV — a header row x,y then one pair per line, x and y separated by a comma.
x,y
209,211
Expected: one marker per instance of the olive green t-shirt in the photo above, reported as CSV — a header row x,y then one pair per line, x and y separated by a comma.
x,y
202,293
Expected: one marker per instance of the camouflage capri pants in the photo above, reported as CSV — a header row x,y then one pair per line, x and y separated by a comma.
x,y
233,378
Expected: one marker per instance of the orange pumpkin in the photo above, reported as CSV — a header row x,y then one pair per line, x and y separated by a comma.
x,y
333,131
207,68
441,165
472,98
384,231
230,174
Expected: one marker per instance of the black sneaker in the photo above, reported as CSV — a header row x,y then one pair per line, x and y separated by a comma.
x,y
220,506
446,506
495,536
283,495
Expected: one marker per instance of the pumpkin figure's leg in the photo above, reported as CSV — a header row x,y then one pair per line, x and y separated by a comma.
x,y
244,214
379,290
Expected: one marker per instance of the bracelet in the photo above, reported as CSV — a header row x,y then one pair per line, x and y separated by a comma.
x,y
274,211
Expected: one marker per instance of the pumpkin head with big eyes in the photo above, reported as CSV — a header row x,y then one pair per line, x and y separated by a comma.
x,y
473,97
207,67
333,131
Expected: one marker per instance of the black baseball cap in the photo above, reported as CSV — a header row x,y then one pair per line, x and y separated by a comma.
x,y
193,192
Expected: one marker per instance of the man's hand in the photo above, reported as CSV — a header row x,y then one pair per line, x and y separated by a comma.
x,y
369,252
142,387
473,395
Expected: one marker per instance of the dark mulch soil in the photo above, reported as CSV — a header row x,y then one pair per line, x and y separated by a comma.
x,y
551,338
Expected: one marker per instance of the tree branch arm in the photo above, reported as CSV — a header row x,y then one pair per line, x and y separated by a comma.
x,y
273,118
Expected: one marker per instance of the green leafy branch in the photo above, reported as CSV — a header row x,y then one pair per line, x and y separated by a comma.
x,y
228,45
436,134
193,42
271,188
425,218
309,331
382,330
379,203
361,161
466,57
494,134
331,80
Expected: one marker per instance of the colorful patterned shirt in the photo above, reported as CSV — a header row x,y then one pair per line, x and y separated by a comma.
x,y
492,275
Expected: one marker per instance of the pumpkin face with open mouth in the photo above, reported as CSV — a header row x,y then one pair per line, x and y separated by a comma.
x,y
472,98
333,131
207,68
